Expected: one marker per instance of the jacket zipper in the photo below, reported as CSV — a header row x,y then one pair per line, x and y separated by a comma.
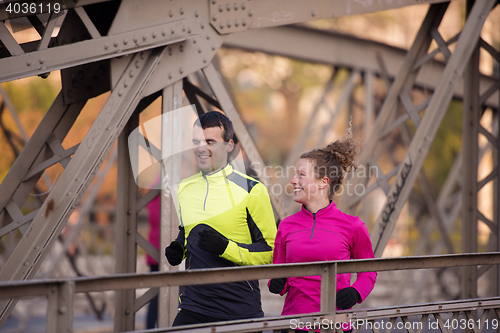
x,y
206,195
314,224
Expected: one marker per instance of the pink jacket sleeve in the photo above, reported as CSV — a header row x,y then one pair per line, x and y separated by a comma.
x,y
362,249
279,255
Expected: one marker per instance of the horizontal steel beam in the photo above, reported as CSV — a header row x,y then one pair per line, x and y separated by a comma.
x,y
70,55
221,275
337,49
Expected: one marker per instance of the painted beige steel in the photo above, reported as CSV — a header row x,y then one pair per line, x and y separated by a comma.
x,y
171,175
246,141
342,50
74,181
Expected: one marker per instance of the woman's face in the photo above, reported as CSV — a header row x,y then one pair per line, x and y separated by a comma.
x,y
305,185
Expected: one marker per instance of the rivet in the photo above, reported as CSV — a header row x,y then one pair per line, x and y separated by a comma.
x,y
154,34
202,25
204,60
221,25
196,14
131,73
137,64
163,32
63,309
142,55
28,63
106,46
127,312
170,75
170,51
243,6
213,2
236,6
69,194
244,22
37,247
129,232
213,48
78,179
221,8
199,50
181,11
115,43
189,30
135,39
228,7
208,37
229,24
129,212
214,17
172,31
170,13
194,41
26,263
120,92
236,23
181,48
125,41
181,70
109,128
125,83
250,13
313,13
144,38
183,29
42,60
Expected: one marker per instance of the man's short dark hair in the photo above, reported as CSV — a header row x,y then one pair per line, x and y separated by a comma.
x,y
216,119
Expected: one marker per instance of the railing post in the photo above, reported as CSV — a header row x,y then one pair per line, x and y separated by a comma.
x,y
60,307
329,294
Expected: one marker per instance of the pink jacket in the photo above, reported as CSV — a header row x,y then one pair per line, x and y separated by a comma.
x,y
327,235
154,227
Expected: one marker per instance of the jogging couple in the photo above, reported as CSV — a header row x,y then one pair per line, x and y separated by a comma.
x,y
227,220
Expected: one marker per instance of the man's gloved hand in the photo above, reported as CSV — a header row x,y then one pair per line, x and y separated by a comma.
x,y
277,285
347,298
174,253
212,241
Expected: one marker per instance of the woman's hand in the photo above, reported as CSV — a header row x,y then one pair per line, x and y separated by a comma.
x,y
276,286
347,298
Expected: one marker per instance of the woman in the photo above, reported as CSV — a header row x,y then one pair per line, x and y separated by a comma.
x,y
321,232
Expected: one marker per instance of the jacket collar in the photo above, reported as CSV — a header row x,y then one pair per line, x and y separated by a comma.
x,y
224,172
326,210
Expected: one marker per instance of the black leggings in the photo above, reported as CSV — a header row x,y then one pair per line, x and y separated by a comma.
x,y
186,317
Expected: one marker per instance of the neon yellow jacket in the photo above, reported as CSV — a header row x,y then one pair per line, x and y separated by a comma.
x,y
239,208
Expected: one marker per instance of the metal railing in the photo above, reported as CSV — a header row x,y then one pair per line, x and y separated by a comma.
x,y
60,292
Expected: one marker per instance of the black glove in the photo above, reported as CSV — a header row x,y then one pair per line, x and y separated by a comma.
x,y
347,298
277,285
174,253
212,241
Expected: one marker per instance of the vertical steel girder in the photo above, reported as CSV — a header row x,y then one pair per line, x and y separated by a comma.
x,y
471,118
169,222
426,127
125,228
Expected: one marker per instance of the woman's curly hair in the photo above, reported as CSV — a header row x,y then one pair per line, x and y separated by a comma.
x,y
335,161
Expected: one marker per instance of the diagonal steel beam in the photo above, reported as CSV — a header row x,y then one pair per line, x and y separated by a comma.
x,y
403,183
70,188
246,141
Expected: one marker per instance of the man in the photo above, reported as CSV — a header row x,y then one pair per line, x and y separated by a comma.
x,y
226,220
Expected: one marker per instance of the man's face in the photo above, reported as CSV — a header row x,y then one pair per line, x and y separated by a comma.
x,y
209,148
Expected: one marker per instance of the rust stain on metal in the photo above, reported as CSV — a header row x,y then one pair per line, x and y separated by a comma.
x,y
50,207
